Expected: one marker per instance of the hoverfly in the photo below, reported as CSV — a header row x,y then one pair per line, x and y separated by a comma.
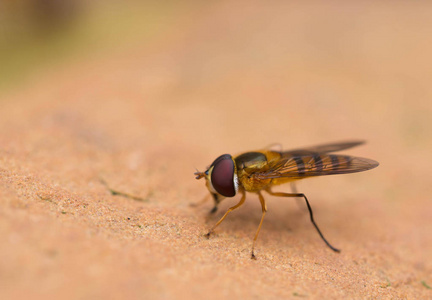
x,y
260,170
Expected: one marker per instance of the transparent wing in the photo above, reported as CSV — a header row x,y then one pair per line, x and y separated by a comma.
x,y
320,149
303,166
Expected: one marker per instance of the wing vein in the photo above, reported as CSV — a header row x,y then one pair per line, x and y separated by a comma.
x,y
316,165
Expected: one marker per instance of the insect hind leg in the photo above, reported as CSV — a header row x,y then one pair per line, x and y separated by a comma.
x,y
293,195
298,200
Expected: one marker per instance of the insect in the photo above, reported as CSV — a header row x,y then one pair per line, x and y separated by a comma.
x,y
260,170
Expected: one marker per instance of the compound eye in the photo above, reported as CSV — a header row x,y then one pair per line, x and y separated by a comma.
x,y
222,176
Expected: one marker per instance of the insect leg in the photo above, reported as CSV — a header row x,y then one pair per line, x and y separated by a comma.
x,y
310,213
242,200
298,201
216,203
264,210
217,199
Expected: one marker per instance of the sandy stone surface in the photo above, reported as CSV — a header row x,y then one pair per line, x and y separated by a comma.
x,y
224,78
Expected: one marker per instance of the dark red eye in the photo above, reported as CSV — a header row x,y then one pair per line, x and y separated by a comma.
x,y
222,176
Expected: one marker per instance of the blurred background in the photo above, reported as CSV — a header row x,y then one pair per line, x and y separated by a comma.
x,y
357,54
36,34
238,76
144,92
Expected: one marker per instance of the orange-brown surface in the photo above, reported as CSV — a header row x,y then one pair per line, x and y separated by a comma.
x,y
213,79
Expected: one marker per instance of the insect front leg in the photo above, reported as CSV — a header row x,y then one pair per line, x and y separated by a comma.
x,y
242,200
217,199
310,213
